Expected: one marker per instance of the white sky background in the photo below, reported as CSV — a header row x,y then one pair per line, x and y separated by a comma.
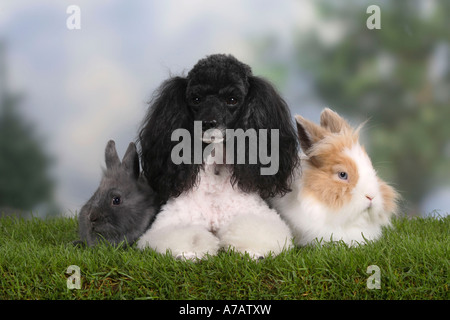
x,y
84,87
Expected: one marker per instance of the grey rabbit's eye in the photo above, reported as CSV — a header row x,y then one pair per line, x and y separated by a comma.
x,y
116,201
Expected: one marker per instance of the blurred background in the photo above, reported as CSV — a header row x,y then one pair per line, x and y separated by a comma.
x,y
65,92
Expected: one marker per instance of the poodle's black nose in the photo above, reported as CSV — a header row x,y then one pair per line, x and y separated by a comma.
x,y
209,124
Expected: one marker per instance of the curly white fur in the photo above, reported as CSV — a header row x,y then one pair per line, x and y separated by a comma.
x,y
216,215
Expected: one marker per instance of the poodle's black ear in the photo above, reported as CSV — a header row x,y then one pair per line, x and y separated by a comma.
x,y
267,110
167,112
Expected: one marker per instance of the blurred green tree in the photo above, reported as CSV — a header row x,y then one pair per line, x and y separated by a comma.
x,y
24,166
399,78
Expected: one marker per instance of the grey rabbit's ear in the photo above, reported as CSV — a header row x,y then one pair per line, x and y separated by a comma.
x,y
111,157
130,161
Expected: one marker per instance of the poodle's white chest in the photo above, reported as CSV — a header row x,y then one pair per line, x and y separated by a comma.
x,y
214,201
214,198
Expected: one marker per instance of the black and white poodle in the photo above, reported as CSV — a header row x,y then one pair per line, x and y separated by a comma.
x,y
205,150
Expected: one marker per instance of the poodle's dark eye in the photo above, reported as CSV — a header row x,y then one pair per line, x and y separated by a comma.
x,y
116,201
196,100
231,101
343,175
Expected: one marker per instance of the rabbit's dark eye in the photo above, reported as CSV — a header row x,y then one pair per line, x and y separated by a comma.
x,y
116,201
343,175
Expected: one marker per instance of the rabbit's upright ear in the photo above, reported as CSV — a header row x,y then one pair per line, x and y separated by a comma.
x,y
309,133
111,157
130,161
333,122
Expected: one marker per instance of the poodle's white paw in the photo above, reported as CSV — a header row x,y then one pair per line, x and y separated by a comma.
x,y
188,256
255,255
257,235
188,241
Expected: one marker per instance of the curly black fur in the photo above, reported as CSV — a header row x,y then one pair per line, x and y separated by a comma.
x,y
219,90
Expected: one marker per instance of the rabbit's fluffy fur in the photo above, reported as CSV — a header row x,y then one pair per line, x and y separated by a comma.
x,y
337,194
122,207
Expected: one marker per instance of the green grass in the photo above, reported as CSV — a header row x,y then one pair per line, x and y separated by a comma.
x,y
413,258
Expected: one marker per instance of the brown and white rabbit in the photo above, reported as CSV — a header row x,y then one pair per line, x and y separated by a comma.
x,y
122,207
336,195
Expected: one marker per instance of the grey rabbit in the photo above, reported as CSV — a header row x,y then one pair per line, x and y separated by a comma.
x,y
122,207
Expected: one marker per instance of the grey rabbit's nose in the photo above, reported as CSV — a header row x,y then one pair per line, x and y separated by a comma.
x,y
94,216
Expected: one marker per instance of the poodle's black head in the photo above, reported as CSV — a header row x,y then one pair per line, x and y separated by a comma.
x,y
219,92
219,71
216,90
